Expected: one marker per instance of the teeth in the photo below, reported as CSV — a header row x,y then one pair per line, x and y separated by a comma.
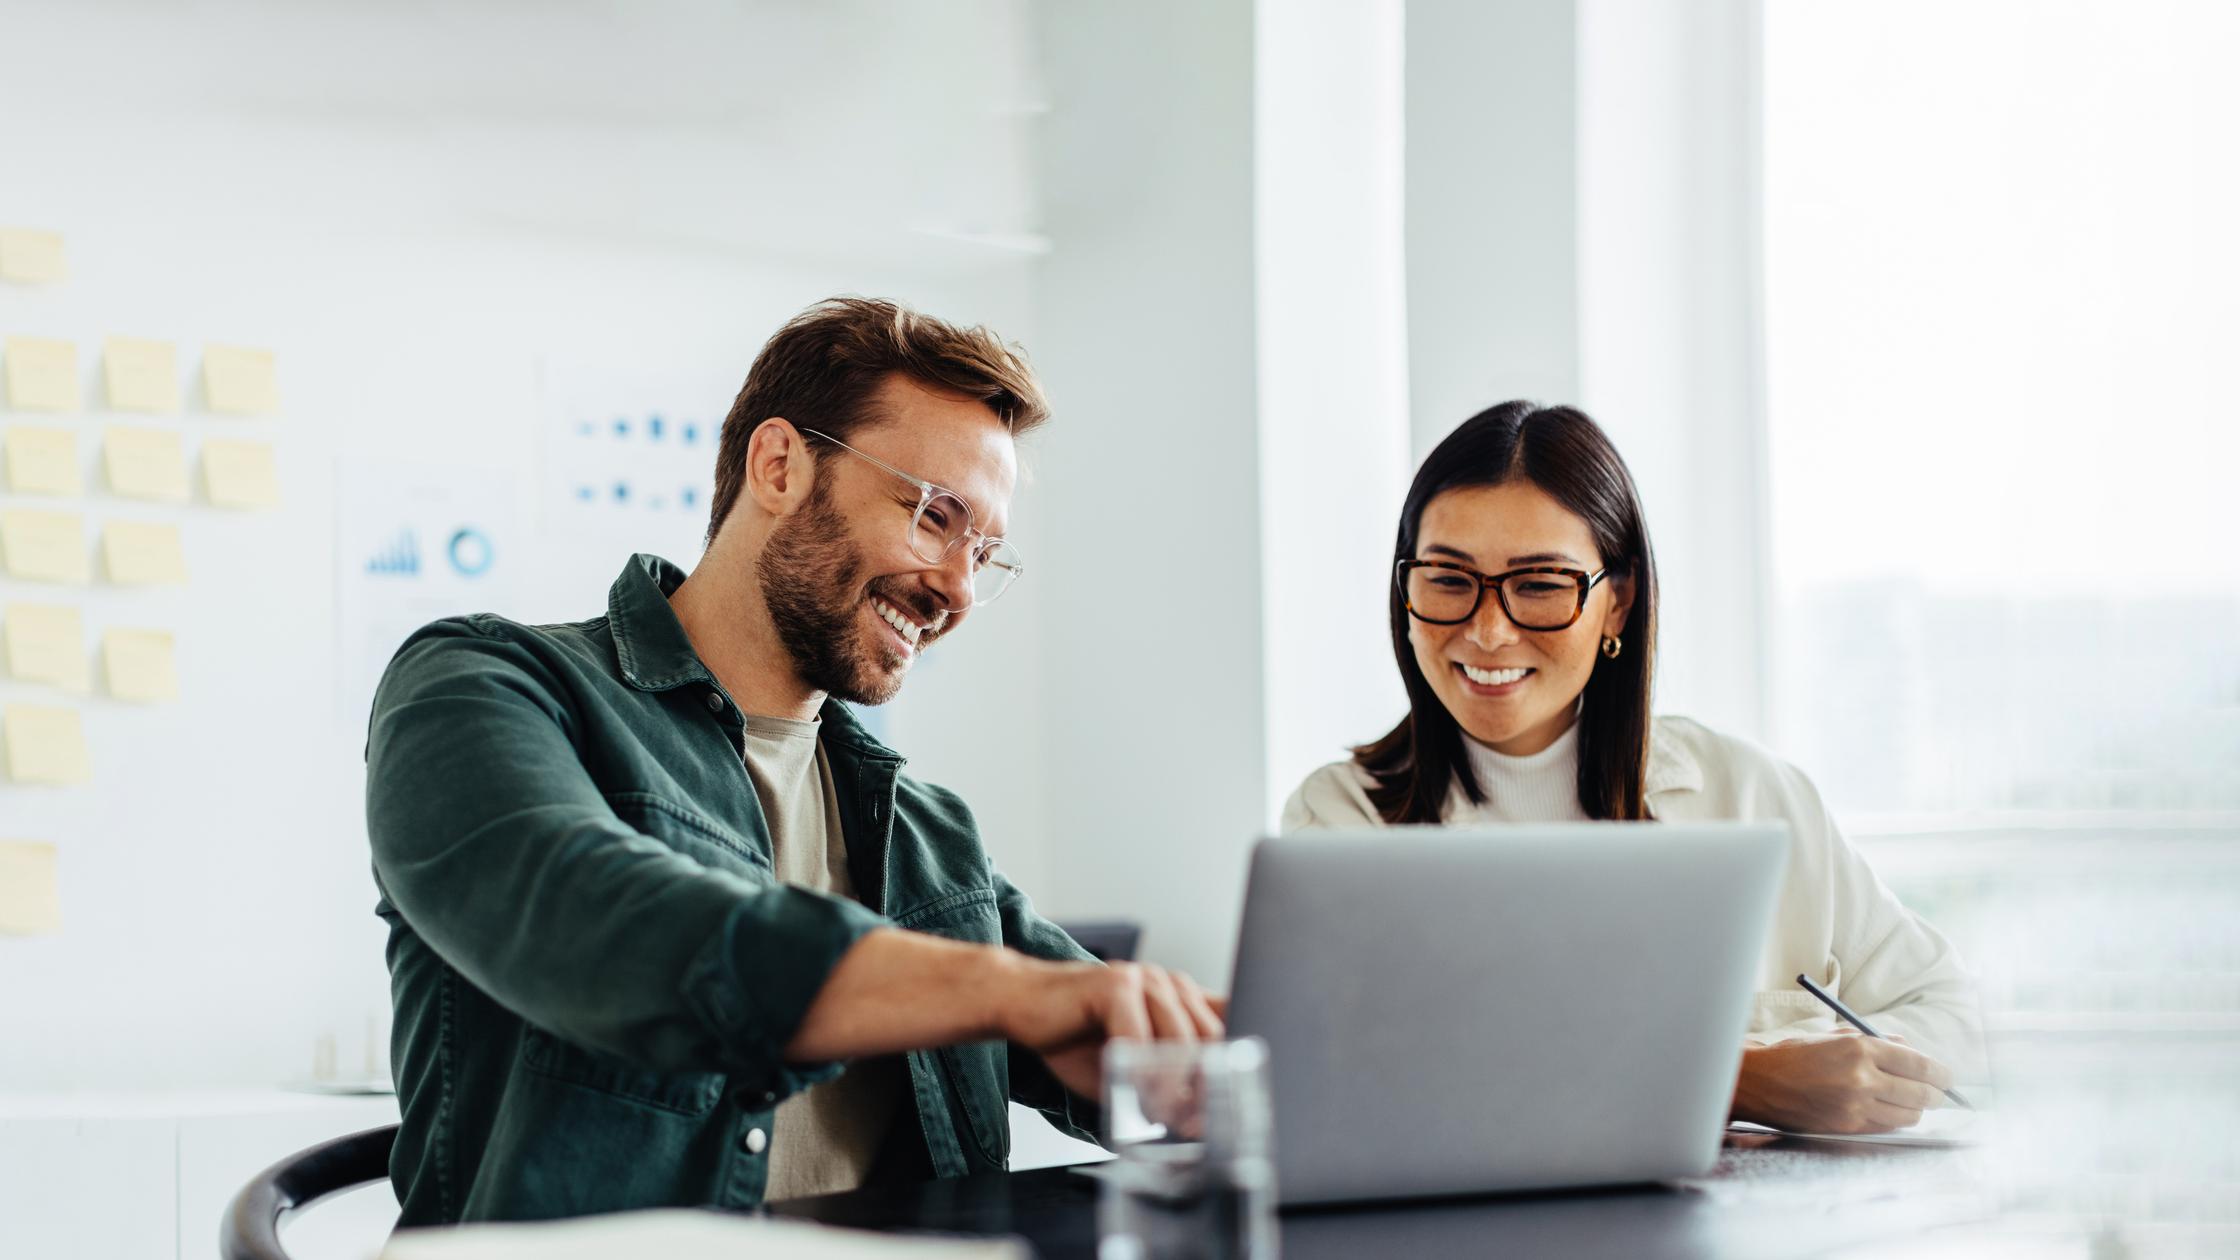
x,y
1493,677
903,626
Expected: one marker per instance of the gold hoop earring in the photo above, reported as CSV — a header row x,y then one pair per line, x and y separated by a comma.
x,y
1611,646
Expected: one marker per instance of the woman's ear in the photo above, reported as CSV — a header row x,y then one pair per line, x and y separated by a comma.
x,y
1621,605
780,470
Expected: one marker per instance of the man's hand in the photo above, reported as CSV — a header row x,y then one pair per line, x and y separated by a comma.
x,y
1065,1012
1838,1083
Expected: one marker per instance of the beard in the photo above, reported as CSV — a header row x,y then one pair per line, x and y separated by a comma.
x,y
812,582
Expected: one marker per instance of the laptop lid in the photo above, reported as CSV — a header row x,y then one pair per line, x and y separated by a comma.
x,y
1454,1010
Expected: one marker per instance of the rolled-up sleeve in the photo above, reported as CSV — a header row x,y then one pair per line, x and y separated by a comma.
x,y
495,845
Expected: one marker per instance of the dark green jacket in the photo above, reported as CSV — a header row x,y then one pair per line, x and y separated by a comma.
x,y
594,970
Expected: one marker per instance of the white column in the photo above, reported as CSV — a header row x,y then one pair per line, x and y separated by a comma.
x,y
1669,322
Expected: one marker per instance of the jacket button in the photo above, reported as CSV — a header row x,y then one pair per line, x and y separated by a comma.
x,y
715,702
769,1097
754,1142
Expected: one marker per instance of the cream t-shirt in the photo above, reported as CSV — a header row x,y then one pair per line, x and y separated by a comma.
x,y
824,1139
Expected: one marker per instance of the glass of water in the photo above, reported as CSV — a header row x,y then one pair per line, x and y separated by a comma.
x,y
1195,1173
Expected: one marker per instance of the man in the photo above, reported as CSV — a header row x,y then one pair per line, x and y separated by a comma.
x,y
650,887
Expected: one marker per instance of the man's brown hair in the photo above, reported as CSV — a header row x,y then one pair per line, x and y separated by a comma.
x,y
821,369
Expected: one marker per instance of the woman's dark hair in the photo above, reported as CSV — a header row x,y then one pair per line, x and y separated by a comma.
x,y
1567,455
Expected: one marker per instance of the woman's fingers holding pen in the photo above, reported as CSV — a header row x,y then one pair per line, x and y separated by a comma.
x,y
1904,1061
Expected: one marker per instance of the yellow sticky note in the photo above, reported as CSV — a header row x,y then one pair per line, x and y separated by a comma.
x,y
239,380
44,546
139,554
43,461
30,893
239,474
42,374
45,745
145,464
142,375
30,256
141,665
46,643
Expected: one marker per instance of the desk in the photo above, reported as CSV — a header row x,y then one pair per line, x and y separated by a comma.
x,y
1768,1198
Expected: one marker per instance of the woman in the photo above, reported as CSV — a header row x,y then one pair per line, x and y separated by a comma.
x,y
1524,615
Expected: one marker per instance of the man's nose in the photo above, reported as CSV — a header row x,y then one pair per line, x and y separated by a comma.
x,y
951,580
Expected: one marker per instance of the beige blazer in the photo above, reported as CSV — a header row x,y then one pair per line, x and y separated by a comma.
x,y
1834,920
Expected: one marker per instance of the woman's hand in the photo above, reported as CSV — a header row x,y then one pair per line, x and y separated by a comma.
x,y
1838,1083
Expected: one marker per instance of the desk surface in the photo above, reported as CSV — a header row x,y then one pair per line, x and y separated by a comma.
x,y
1767,1198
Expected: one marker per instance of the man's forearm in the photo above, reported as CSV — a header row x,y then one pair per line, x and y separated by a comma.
x,y
898,990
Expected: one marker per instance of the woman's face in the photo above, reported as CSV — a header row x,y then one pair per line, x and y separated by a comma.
x,y
1494,529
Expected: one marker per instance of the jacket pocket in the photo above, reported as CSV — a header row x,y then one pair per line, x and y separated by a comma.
x,y
686,1093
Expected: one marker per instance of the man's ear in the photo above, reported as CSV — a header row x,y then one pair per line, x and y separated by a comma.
x,y
781,471
1621,605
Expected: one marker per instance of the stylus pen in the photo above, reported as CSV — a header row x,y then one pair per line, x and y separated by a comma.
x,y
1863,1026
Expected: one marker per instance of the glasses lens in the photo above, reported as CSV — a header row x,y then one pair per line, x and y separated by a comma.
x,y
939,527
1445,595
1541,601
996,569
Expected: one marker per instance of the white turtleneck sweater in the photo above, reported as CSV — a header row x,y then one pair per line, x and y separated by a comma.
x,y
1539,787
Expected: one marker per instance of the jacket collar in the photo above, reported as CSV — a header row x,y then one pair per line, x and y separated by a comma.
x,y
1672,767
655,654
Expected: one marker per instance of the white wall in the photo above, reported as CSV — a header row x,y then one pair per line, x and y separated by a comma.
x,y
1492,266
414,207
1333,372
1152,694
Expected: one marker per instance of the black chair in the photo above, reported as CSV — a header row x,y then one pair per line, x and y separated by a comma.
x,y
1110,940
251,1229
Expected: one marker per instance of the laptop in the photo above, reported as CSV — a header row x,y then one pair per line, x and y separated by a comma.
x,y
1470,1010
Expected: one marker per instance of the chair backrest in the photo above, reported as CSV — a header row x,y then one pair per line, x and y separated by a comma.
x,y
1110,940
251,1229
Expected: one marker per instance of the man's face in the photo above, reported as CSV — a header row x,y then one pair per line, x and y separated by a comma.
x,y
853,604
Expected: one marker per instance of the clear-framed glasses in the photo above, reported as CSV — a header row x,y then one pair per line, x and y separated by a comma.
x,y
1445,593
941,524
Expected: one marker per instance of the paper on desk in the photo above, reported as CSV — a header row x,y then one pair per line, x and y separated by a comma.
x,y
46,643
43,461
145,463
142,375
42,374
1943,1127
685,1234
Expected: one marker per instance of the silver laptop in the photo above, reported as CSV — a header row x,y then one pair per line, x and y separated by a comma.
x,y
1455,1011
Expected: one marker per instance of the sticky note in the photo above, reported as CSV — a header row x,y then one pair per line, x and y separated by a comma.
x,y
44,546
30,256
42,373
45,745
145,463
239,474
139,554
45,643
142,375
30,894
240,381
43,461
140,665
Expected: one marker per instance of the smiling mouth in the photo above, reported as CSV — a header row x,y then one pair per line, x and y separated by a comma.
x,y
904,628
1494,677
